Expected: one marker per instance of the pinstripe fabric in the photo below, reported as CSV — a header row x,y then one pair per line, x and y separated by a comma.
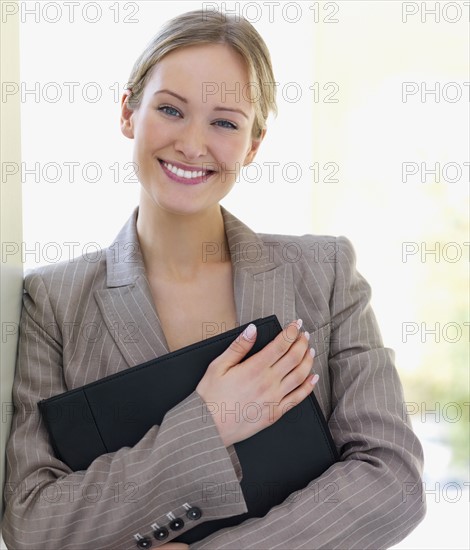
x,y
83,320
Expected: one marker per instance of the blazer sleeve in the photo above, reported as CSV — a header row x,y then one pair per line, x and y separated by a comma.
x,y
122,494
372,498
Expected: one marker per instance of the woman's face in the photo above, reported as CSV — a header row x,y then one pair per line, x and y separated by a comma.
x,y
195,115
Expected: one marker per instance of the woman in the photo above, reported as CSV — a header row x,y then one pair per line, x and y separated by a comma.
x,y
158,287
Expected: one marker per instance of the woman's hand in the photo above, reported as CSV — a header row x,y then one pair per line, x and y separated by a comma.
x,y
279,375
174,546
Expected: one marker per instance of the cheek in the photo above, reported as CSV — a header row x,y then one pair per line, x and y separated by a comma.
x,y
153,131
231,150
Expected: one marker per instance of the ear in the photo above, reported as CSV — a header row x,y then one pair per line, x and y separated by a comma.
x,y
255,143
127,122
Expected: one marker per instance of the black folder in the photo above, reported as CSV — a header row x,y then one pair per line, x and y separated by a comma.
x,y
118,410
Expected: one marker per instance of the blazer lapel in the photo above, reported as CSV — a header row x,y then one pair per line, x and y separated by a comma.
x,y
263,286
126,304
263,282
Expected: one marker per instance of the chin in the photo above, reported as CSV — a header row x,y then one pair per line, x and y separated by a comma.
x,y
178,208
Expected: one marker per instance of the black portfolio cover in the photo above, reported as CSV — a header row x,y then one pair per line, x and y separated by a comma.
x,y
118,410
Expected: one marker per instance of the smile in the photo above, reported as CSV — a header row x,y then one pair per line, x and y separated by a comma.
x,y
185,176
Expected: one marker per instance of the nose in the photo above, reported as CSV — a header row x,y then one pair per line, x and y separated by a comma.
x,y
192,140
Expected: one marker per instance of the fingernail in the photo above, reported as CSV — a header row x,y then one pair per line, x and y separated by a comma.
x,y
312,352
299,323
314,380
307,335
249,332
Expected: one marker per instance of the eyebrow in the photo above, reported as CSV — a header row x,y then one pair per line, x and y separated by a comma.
x,y
184,100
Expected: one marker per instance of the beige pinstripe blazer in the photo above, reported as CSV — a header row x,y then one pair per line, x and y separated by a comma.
x,y
84,319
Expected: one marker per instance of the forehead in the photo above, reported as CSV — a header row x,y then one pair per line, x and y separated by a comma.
x,y
191,67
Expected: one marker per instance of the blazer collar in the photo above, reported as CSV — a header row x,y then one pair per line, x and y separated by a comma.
x,y
263,285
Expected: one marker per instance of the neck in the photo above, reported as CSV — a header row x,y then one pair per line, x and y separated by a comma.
x,y
181,247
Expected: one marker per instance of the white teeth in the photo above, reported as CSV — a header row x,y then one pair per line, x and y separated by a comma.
x,y
183,173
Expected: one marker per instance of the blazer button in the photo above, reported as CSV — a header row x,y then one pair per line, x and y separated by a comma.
x,y
161,534
177,524
144,542
194,513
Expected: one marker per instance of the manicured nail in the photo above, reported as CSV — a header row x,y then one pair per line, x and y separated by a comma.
x,y
249,332
314,380
299,323
312,352
307,335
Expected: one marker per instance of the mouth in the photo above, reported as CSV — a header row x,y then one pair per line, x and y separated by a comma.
x,y
186,176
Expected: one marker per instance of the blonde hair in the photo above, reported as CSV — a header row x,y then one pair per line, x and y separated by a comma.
x,y
200,27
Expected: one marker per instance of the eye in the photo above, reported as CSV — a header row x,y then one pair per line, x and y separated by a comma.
x,y
230,126
168,109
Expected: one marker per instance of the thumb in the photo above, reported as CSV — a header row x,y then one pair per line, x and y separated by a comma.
x,y
238,348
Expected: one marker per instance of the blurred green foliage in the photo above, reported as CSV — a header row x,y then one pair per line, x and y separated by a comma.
x,y
443,297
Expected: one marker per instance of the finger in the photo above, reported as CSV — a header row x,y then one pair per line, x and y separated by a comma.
x,y
299,394
280,345
237,349
293,357
296,376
